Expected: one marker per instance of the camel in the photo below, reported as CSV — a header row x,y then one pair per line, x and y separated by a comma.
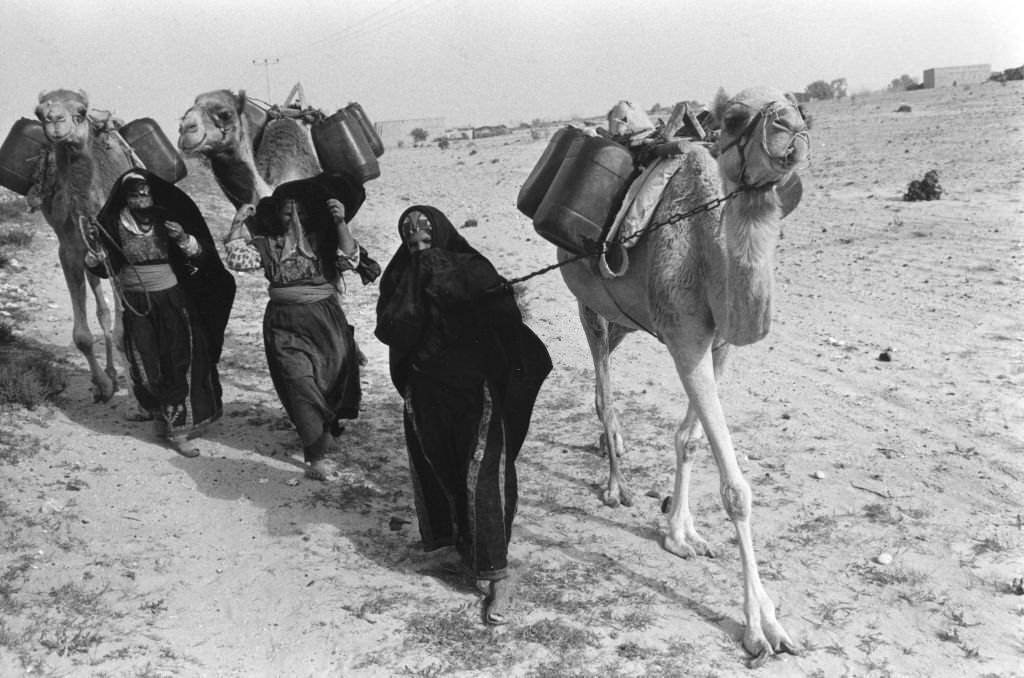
x,y
85,158
699,285
248,155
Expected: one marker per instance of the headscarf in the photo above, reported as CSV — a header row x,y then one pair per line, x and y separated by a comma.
x,y
132,181
203,278
313,193
449,292
454,286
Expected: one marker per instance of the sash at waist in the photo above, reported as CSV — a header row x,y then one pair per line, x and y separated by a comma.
x,y
147,278
301,294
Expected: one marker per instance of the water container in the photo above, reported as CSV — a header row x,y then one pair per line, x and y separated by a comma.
x,y
20,154
585,195
357,112
154,149
342,147
537,184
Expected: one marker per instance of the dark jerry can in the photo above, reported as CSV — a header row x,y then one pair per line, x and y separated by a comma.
x,y
26,144
537,184
585,194
342,147
357,112
154,149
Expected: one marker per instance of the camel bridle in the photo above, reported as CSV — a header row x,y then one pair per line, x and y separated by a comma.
x,y
769,114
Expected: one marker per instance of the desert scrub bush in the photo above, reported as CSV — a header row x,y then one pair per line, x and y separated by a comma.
x,y
29,376
12,206
15,235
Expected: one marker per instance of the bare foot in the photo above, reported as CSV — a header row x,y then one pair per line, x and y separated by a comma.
x,y
498,606
184,446
138,414
318,470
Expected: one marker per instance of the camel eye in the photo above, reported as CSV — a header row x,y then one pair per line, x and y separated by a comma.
x,y
734,124
224,115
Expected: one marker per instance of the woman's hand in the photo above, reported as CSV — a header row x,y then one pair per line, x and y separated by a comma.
x,y
238,223
175,230
337,210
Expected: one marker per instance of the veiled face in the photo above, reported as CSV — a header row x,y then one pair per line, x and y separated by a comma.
x,y
138,196
417,231
418,241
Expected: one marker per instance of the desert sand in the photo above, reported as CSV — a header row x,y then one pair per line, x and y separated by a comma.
x,y
121,558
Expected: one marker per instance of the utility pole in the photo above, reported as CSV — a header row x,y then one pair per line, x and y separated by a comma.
x,y
267,63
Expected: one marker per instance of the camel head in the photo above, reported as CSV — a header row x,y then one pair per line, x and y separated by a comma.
x,y
64,115
627,118
763,139
216,124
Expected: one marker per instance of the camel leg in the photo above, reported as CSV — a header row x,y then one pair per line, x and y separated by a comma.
x,y
72,263
682,537
603,337
110,325
763,635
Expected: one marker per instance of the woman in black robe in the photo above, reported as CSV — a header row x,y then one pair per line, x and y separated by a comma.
x,y
302,237
469,371
177,296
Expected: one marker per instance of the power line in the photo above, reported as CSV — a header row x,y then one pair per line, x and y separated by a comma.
x,y
267,63
384,17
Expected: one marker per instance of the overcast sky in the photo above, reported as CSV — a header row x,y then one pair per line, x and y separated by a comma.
x,y
480,61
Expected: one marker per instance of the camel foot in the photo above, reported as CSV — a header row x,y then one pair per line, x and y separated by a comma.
x,y
762,644
687,548
614,498
103,389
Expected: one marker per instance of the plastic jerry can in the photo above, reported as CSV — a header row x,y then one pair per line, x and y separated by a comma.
x,y
369,131
585,195
154,149
342,147
24,147
536,185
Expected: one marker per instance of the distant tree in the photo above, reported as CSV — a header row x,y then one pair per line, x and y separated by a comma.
x,y
819,89
838,88
904,83
419,135
443,143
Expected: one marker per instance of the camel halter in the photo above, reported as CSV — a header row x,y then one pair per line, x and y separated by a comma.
x,y
768,115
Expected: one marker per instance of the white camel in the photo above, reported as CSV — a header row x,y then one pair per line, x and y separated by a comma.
x,y
700,284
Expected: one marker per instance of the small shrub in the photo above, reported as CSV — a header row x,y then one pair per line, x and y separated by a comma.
x,y
15,235
28,375
13,208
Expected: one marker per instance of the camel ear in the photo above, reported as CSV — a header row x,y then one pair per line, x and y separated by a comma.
x,y
85,98
790,191
240,103
721,102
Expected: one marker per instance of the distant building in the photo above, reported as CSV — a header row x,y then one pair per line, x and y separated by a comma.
x,y
391,132
489,131
951,76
